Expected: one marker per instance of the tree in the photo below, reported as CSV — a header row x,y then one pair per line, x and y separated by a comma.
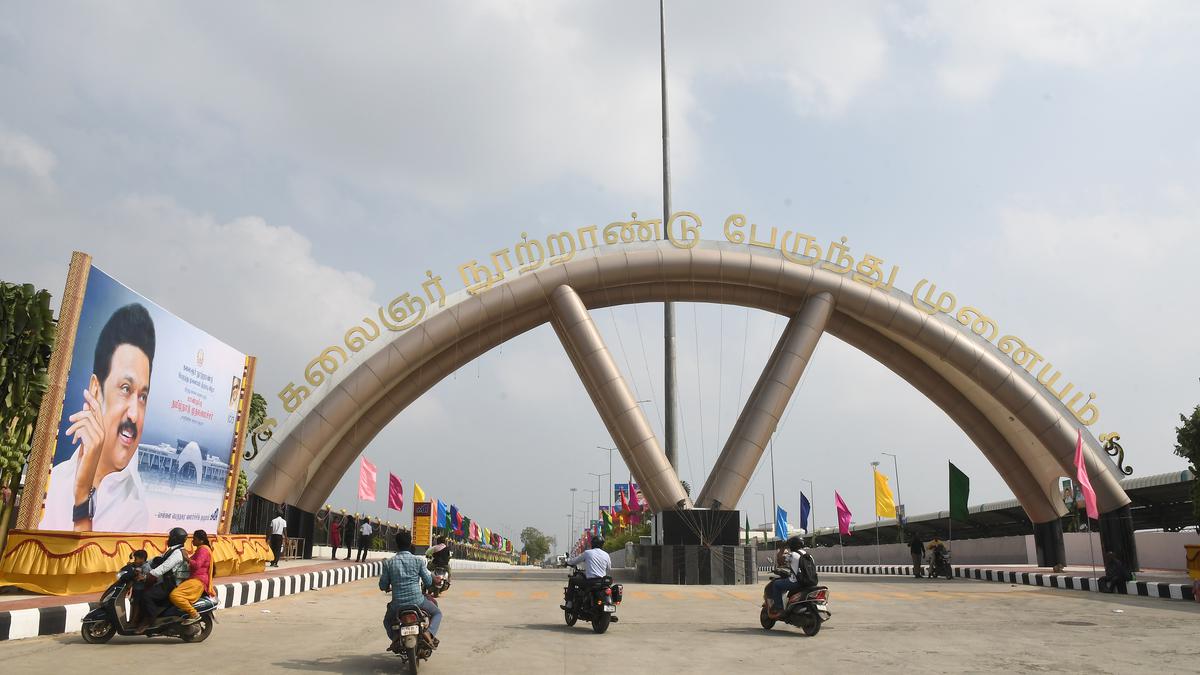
x,y
27,330
536,544
1187,445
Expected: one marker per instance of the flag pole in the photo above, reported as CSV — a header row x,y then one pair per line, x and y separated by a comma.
x,y
1090,549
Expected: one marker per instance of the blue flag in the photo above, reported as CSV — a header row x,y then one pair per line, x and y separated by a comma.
x,y
805,510
781,529
443,515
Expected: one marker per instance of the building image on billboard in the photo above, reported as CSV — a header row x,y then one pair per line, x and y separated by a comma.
x,y
149,419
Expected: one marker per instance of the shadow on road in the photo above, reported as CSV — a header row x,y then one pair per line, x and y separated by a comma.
x,y
749,630
358,663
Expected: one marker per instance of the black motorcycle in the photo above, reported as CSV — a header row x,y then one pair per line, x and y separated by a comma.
x,y
410,623
594,601
112,617
441,580
806,607
939,564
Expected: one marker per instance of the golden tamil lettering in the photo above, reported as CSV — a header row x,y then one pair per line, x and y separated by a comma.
x,y
530,254
844,261
497,257
811,254
328,364
754,241
979,324
1087,414
870,272
590,231
560,252
1048,383
945,303
403,312
1021,353
476,278
733,228
689,229
356,338
293,395
431,284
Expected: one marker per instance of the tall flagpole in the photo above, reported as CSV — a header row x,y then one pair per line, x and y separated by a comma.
x,y
668,308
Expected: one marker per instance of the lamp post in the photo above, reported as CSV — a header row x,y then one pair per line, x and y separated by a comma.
x,y
874,468
899,500
599,490
570,529
610,475
812,495
764,507
573,490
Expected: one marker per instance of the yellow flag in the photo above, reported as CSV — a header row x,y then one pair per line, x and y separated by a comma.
x,y
418,493
885,505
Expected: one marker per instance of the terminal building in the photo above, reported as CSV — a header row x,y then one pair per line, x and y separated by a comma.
x,y
184,464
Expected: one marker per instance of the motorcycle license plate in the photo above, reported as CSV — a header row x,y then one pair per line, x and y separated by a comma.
x,y
410,630
822,607
610,608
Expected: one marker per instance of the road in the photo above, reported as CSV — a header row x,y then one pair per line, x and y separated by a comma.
x,y
509,622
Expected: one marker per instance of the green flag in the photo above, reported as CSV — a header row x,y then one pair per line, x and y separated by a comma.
x,y
960,488
747,529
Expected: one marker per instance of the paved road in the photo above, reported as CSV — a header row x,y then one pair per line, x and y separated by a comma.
x,y
509,622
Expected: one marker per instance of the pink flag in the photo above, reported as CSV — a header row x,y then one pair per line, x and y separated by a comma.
x,y
633,499
1081,477
843,512
395,492
366,480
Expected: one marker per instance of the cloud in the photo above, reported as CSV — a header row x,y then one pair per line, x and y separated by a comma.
x,y
27,157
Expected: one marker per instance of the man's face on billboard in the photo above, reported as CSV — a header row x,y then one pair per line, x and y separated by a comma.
x,y
123,395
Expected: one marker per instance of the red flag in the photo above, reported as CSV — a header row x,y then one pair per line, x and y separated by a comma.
x,y
624,503
366,480
395,492
843,513
1081,477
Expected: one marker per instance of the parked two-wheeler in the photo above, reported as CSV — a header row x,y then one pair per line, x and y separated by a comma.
x,y
939,565
806,607
111,617
594,601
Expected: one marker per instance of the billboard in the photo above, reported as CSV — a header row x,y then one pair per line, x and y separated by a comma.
x,y
623,489
422,524
147,432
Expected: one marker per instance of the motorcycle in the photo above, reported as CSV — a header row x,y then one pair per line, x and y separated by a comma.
x,y
806,607
410,624
939,565
594,602
111,617
441,581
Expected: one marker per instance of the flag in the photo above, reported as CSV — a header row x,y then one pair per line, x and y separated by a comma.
x,y
805,510
606,526
960,488
1081,477
395,492
747,542
455,522
781,529
633,498
624,503
885,505
366,480
443,515
844,514
418,493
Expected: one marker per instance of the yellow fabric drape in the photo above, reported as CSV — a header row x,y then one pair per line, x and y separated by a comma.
x,y
418,493
885,504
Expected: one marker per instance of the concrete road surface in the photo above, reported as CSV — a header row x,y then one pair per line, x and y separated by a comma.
x,y
509,622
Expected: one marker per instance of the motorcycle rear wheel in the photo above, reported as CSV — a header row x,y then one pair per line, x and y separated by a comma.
x,y
98,632
764,618
811,626
570,617
600,623
206,628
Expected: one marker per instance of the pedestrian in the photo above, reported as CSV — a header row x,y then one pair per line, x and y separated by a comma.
x,y
917,548
1115,572
364,539
278,531
348,533
335,534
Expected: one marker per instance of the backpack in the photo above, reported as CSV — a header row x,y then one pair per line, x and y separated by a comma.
x,y
806,571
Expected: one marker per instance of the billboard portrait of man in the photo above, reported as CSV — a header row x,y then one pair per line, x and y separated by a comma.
x,y
98,488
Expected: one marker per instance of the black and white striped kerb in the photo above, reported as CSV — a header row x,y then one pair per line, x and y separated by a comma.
x,y
23,623
1149,589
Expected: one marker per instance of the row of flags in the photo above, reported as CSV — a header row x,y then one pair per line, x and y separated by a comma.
x,y
626,512
448,518
959,489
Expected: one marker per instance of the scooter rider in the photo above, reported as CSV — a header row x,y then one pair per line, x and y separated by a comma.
x,y
170,572
779,587
596,565
440,553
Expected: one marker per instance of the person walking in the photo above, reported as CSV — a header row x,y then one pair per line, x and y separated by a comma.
x,y
364,539
335,534
917,548
348,533
278,531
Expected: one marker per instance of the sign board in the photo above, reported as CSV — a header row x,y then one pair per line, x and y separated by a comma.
x,y
422,524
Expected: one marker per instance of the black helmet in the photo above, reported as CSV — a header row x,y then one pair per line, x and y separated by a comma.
x,y
176,536
795,543
597,542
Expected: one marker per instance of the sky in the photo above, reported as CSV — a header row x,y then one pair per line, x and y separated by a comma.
x,y
273,176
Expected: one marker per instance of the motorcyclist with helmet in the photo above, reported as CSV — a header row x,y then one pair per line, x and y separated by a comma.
x,y
168,571
596,565
789,560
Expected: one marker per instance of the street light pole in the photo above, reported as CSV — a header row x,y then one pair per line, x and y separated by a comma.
x,y
764,507
610,475
896,469
573,490
874,468
599,490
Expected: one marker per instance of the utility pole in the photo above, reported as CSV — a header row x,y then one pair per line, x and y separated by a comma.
x,y
672,417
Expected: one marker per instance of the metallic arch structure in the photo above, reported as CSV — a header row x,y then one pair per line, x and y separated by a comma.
x,y
1028,435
